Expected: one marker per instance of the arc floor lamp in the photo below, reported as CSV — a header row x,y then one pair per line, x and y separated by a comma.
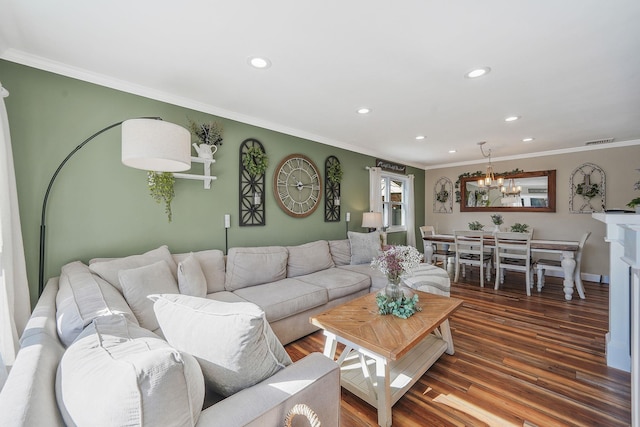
x,y
148,143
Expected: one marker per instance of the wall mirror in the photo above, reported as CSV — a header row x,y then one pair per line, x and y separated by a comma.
x,y
533,192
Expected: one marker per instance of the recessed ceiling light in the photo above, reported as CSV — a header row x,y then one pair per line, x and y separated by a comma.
x,y
529,139
419,137
511,118
364,110
452,151
477,72
259,62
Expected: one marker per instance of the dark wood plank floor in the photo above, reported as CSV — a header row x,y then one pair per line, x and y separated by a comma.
x,y
519,361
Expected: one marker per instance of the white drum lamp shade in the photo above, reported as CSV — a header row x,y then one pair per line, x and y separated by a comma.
x,y
372,220
155,145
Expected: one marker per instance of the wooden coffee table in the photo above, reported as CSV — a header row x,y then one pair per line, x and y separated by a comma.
x,y
385,355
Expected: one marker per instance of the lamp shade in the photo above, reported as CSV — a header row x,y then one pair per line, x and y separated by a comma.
x,y
155,145
372,220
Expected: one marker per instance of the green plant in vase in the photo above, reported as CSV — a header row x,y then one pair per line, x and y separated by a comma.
x,y
475,226
161,189
520,228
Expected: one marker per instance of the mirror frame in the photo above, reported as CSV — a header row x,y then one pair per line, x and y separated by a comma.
x,y
551,192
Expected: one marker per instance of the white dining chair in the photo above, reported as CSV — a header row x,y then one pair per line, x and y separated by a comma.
x,y
470,250
439,255
543,265
513,252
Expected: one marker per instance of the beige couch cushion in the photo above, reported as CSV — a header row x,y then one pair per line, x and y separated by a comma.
x,y
120,374
338,282
364,246
191,280
378,280
308,258
212,264
139,283
284,298
108,270
82,297
233,342
254,266
340,252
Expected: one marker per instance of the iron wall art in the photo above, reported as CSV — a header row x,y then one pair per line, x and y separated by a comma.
x,y
587,189
332,190
443,196
252,195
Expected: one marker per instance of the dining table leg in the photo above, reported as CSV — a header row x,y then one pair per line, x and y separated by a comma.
x,y
569,265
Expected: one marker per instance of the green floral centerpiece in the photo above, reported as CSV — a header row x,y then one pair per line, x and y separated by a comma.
x,y
520,228
395,262
497,221
476,226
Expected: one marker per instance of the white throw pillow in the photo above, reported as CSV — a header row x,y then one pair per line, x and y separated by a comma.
x,y
83,296
109,270
138,283
364,246
118,374
212,262
308,258
233,342
191,280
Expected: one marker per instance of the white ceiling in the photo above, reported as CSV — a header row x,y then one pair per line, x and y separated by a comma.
x,y
569,68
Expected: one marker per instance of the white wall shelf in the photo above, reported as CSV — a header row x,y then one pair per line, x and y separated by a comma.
x,y
206,173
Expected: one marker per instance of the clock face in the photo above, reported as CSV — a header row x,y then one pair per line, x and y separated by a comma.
x,y
297,185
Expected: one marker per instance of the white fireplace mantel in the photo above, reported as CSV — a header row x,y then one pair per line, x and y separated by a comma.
x,y
623,339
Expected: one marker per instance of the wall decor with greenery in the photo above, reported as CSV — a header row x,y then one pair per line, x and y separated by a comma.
x,y
253,165
332,178
443,196
161,189
587,189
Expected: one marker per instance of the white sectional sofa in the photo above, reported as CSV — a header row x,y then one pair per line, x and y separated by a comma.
x,y
105,306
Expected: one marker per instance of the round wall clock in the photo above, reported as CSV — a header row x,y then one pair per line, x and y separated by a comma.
x,y
297,185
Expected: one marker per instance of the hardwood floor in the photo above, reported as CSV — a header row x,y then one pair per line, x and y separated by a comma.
x,y
519,361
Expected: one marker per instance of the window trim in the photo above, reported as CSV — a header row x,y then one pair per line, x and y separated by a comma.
x,y
406,203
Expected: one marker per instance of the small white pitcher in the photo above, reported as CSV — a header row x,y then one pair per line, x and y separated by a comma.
x,y
205,151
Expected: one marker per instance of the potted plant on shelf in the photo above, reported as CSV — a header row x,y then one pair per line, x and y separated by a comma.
x,y
476,226
209,136
161,189
497,221
520,228
635,203
255,161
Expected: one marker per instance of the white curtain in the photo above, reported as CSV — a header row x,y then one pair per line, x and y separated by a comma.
x,y
375,201
15,307
411,212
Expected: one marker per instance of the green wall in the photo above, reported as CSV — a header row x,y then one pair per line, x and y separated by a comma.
x,y
101,208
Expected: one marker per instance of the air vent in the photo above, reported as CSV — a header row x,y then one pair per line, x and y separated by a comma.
x,y
599,141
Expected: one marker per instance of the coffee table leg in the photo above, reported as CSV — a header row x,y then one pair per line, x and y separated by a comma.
x,y
383,390
330,345
445,331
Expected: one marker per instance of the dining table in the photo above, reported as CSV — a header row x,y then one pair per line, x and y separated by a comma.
x,y
566,248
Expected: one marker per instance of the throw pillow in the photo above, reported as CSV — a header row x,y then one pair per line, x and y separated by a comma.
x,y
83,296
108,270
340,252
233,342
191,280
117,374
308,258
138,283
212,262
255,266
364,246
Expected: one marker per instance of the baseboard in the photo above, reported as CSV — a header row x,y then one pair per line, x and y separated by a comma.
x,y
589,277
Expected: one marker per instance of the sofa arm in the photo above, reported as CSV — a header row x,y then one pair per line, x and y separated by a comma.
x,y
313,380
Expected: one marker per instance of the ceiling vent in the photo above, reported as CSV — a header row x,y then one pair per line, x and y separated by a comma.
x,y
599,141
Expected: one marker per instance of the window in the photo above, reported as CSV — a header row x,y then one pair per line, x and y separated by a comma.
x,y
395,203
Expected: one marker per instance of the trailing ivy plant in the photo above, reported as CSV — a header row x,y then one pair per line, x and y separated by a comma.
x,y
334,173
161,189
255,161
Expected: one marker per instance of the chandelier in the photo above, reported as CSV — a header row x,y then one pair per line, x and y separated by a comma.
x,y
512,189
489,180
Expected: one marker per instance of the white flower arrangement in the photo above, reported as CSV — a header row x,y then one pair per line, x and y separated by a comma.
x,y
397,261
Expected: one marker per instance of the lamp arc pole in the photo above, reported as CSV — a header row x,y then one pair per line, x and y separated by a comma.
x,y
46,197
